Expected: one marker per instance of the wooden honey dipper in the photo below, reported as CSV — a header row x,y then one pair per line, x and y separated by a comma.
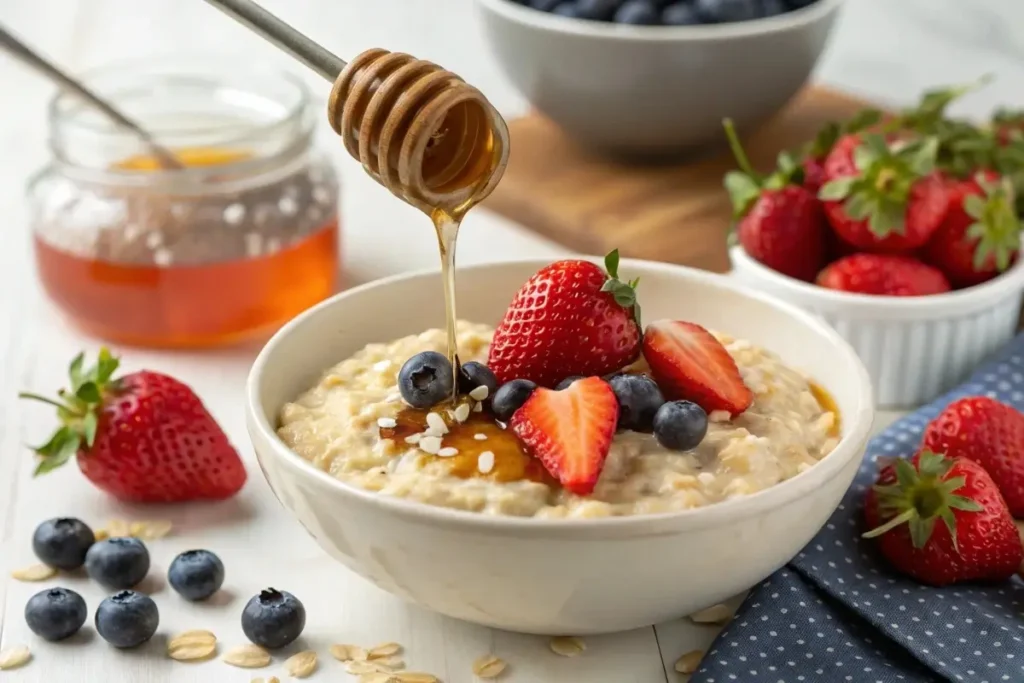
x,y
419,130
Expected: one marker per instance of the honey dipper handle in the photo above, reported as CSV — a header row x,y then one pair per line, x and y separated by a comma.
x,y
259,20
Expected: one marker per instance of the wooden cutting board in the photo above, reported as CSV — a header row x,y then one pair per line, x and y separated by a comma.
x,y
677,213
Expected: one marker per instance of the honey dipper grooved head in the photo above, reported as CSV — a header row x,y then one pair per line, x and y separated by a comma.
x,y
419,130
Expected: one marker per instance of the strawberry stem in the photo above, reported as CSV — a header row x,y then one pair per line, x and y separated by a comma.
x,y
624,293
737,149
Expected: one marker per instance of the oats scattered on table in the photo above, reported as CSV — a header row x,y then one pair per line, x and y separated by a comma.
x,y
488,667
567,646
689,662
301,665
716,614
348,653
415,677
384,650
13,657
357,667
378,677
118,528
34,572
192,646
101,535
151,530
391,663
247,657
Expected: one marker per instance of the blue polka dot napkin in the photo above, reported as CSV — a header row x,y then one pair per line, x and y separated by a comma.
x,y
836,613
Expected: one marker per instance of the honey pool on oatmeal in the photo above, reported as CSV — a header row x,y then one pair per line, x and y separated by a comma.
x,y
354,425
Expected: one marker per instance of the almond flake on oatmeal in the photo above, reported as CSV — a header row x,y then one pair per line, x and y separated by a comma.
x,y
488,666
461,414
384,650
387,422
689,662
479,393
478,407
485,462
480,437
436,423
301,665
34,572
716,614
567,646
247,657
382,365
430,444
413,439
13,657
347,653
448,452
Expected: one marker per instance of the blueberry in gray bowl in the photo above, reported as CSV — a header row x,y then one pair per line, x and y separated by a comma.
x,y
638,13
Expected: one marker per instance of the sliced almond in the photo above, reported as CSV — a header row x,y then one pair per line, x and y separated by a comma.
x,y
301,665
13,657
689,662
34,572
348,653
384,650
415,677
192,646
247,657
716,614
489,666
567,646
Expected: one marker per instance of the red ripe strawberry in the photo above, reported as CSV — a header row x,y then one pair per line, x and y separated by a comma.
x,y
883,197
570,318
145,437
688,363
941,520
780,223
814,174
991,434
980,236
883,275
570,431
830,135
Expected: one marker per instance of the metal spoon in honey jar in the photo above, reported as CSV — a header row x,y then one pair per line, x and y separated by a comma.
x,y
18,49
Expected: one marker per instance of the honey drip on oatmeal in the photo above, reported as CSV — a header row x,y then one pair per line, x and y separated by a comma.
x,y
828,404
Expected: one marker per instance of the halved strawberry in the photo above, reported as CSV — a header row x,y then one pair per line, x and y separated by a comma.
x,y
690,364
570,431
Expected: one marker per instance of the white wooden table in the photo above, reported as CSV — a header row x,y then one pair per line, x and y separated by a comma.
x,y
260,544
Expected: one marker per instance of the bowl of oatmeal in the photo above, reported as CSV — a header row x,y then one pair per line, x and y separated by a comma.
x,y
455,510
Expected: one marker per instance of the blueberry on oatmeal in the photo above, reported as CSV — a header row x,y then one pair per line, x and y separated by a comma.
x,y
639,399
680,425
473,375
426,379
510,397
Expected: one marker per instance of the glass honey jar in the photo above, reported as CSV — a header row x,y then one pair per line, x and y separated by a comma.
x,y
224,250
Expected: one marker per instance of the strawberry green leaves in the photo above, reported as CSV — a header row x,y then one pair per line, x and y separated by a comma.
x,y
745,185
997,227
624,293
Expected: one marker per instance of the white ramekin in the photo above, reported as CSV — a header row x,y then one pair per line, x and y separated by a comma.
x,y
914,348
555,576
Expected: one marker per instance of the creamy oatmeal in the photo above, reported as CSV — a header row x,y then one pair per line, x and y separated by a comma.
x,y
354,424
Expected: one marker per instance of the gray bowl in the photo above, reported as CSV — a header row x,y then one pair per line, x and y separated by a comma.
x,y
655,90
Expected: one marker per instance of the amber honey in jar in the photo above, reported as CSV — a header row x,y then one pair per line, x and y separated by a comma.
x,y
224,250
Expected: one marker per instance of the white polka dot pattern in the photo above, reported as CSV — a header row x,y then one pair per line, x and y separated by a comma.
x,y
836,614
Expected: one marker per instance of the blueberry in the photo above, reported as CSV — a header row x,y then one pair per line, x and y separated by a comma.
x,y
473,375
771,8
127,619
680,14
510,397
56,613
544,5
273,619
62,542
564,384
639,13
566,9
725,11
680,425
196,574
117,563
597,10
639,399
426,379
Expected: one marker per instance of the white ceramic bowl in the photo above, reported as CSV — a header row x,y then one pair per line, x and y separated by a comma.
x,y
914,348
655,90
554,576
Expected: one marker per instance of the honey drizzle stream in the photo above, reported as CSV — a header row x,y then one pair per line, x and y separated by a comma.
x,y
447,228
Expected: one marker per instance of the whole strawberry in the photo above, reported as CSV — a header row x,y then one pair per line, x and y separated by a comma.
x,y
942,520
883,275
570,318
144,437
991,434
884,197
817,151
780,222
980,236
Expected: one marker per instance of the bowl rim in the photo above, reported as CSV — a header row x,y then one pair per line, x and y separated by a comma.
x,y
931,306
850,446
554,23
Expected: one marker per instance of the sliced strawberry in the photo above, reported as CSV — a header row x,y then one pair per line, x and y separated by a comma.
x,y
570,431
689,363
